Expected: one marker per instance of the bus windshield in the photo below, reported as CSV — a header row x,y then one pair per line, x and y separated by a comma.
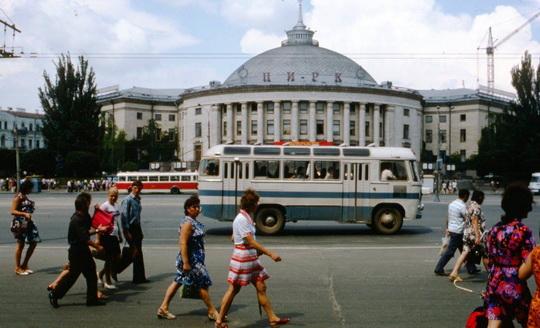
x,y
209,167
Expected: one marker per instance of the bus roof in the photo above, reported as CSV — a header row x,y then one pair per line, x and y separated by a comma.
x,y
315,151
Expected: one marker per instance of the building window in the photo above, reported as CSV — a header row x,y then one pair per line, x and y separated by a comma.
x,y
405,131
429,118
253,127
238,128
157,117
320,127
405,112
139,115
463,155
429,136
198,130
270,127
198,111
336,128
30,144
336,108
3,141
37,144
442,119
286,126
30,128
303,126
320,108
270,107
367,129
463,117
353,109
253,109
287,107
172,117
443,136
463,135
139,133
352,128
172,135
224,129
158,134
303,107
238,109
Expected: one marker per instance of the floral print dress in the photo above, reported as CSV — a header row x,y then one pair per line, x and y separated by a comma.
x,y
507,296
469,238
23,229
198,276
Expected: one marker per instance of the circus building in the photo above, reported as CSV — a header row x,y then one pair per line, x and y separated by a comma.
x,y
299,92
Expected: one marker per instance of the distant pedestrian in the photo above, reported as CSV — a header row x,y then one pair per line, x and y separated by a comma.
x,y
23,228
245,267
455,224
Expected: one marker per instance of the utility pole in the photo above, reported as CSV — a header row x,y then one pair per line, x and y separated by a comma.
x,y
4,53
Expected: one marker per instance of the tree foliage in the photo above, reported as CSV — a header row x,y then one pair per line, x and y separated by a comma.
x,y
71,121
510,145
112,150
39,161
81,164
154,146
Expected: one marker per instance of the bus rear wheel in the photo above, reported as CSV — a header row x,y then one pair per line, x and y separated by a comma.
x,y
387,221
175,190
269,221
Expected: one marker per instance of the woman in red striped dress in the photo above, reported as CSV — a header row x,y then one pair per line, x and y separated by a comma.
x,y
245,267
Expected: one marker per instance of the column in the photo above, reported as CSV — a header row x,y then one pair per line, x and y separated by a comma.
x,y
362,126
376,122
214,126
244,123
260,123
277,121
390,130
346,123
294,121
230,123
312,122
329,121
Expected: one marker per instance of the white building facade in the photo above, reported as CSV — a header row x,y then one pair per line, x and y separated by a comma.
x,y
28,126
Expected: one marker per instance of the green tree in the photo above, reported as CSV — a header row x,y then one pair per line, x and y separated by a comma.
x,y
39,161
112,150
7,164
81,164
154,146
510,145
71,121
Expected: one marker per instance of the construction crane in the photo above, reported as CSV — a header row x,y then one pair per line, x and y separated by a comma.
x,y
4,53
490,51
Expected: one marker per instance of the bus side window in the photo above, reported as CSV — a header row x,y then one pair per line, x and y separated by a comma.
x,y
393,170
360,168
327,170
347,173
260,169
366,172
186,178
226,171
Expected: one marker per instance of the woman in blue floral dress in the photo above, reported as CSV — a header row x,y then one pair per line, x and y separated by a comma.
x,y
190,267
509,243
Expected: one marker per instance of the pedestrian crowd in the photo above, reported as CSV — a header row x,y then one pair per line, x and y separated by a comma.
x,y
76,185
191,277
507,251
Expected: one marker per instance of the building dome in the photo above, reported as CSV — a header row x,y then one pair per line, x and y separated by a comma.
x,y
300,61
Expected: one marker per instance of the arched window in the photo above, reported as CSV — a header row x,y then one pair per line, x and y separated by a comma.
x,y
3,141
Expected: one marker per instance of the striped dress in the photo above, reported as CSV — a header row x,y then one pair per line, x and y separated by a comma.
x,y
245,267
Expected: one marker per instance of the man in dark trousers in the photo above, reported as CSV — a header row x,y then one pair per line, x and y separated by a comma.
x,y
79,255
130,215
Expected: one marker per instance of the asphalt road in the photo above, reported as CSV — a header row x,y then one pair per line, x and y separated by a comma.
x,y
332,275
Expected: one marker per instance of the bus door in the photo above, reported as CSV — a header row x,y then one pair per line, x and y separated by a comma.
x,y
235,181
356,192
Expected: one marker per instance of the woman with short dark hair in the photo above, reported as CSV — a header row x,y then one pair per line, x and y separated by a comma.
x,y
509,243
23,228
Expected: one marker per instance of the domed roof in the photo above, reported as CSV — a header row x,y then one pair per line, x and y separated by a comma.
x,y
300,61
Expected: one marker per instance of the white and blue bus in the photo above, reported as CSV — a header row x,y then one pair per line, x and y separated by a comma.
x,y
377,186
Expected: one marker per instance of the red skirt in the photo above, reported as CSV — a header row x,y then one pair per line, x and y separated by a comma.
x,y
245,267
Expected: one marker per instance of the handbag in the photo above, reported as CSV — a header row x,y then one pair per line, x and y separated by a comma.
x,y
128,253
444,244
102,218
475,255
97,254
189,291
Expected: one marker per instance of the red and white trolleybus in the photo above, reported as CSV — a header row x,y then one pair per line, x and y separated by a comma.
x,y
159,182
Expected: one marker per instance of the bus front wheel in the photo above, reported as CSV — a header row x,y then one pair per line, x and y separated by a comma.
x,y
387,221
269,221
175,190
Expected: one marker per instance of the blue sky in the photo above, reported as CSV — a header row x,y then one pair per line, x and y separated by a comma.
x,y
417,44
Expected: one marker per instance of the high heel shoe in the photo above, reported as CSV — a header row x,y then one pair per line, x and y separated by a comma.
x,y
163,314
220,325
215,316
281,321
455,278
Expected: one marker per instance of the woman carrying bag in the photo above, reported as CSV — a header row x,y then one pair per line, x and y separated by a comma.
x,y
190,267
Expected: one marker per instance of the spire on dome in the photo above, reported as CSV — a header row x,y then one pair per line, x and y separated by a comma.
x,y
300,34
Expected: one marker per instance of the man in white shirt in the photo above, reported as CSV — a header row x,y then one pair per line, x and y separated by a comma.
x,y
455,223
